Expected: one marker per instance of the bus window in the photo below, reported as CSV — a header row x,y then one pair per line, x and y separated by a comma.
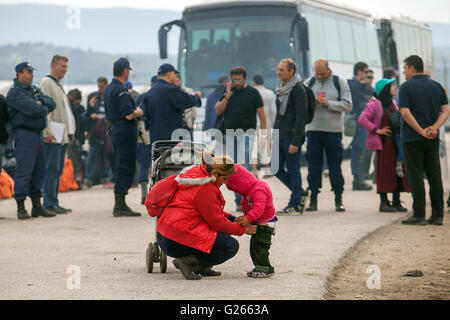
x,y
360,36
316,33
332,37
197,37
256,42
374,49
346,39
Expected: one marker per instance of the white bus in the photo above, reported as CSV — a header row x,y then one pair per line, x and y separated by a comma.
x,y
217,35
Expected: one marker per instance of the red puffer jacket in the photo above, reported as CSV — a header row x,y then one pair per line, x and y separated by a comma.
x,y
195,214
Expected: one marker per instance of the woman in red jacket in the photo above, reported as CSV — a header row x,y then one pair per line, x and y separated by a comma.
x,y
194,228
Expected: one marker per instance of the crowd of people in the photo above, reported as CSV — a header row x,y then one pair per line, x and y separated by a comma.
x,y
120,125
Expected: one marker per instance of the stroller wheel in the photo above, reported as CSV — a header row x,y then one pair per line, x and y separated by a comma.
x,y
149,258
156,252
163,262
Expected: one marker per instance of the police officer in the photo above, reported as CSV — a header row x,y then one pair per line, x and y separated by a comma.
x,y
122,113
28,108
165,103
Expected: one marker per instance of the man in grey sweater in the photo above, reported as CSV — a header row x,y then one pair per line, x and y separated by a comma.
x,y
324,133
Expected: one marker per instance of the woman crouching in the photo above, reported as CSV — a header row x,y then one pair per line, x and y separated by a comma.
x,y
194,229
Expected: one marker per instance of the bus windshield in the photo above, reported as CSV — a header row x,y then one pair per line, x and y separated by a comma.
x,y
212,46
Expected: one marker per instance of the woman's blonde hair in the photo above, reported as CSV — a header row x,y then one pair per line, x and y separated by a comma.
x,y
223,164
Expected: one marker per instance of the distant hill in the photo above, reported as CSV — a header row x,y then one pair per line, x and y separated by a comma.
x,y
36,32
112,30
84,66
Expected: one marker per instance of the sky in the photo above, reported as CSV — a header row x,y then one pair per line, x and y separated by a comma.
x,y
433,11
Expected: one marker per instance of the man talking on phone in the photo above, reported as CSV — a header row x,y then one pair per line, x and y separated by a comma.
x,y
239,106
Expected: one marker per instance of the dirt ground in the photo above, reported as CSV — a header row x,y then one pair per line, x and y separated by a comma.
x,y
390,253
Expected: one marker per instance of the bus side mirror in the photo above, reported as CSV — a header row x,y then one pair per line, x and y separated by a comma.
x,y
303,34
162,36
162,42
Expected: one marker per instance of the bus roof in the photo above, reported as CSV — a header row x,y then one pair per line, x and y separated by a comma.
x,y
336,7
323,4
218,4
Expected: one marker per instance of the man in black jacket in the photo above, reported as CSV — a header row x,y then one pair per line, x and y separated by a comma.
x,y
28,108
4,118
76,145
292,115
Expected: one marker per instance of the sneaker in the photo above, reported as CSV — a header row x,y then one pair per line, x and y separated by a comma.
x,y
387,207
64,209
399,207
86,184
399,170
415,221
362,186
289,211
57,210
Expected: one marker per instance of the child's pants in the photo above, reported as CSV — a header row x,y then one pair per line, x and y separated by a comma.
x,y
259,249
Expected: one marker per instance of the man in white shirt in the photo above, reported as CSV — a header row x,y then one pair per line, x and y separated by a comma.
x,y
55,143
270,110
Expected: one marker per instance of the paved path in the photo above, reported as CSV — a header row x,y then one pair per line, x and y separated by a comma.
x,y
110,252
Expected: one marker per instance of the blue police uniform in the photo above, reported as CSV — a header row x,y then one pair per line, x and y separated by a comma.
x,y
28,119
118,104
164,106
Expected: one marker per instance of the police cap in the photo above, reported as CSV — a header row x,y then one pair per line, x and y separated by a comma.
x,y
24,66
123,62
163,69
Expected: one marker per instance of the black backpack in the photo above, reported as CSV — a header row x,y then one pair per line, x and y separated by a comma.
x,y
311,103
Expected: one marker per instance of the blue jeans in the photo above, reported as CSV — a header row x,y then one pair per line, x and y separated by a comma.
x,y
54,166
92,160
30,163
224,248
144,155
359,155
242,151
398,143
291,177
318,144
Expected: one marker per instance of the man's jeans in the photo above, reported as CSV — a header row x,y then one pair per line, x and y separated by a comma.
x,y
360,157
318,144
93,163
224,248
420,157
54,166
242,151
291,177
144,159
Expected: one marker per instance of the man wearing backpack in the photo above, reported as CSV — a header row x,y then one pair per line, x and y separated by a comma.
x,y
324,132
292,116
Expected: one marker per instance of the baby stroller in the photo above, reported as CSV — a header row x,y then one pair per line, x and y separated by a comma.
x,y
169,157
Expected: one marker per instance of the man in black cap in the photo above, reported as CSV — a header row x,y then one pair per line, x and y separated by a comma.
x,y
28,108
165,103
122,112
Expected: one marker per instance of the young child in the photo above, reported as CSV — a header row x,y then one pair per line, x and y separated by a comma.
x,y
258,209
